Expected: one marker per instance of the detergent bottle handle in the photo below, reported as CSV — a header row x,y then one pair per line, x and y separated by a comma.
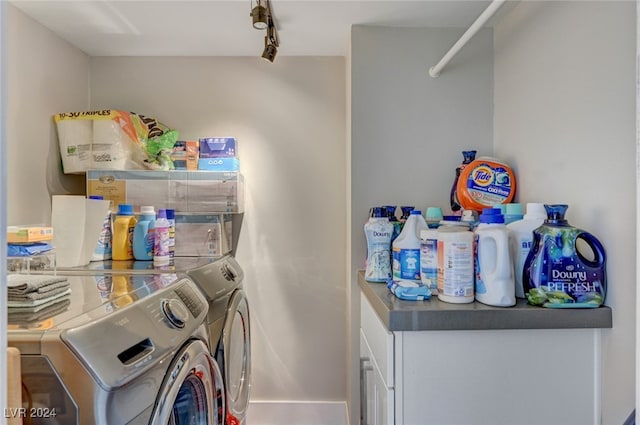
x,y
596,247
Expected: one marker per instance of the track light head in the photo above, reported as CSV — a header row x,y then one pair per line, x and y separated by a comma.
x,y
270,51
260,16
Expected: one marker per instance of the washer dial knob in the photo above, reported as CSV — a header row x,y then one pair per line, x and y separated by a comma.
x,y
175,312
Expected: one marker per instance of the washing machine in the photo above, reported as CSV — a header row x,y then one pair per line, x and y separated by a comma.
x,y
229,330
137,357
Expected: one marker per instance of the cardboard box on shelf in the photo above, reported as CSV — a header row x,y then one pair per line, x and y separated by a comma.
x,y
27,234
183,191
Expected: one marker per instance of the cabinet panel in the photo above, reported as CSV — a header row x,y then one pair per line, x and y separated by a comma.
x,y
380,341
519,377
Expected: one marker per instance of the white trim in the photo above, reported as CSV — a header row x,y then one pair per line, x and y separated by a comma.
x,y
266,412
3,202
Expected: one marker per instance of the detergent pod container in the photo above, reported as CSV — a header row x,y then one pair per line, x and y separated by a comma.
x,y
484,183
556,274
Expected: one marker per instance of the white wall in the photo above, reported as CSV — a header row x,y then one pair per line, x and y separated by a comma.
x,y
565,119
289,118
408,130
45,76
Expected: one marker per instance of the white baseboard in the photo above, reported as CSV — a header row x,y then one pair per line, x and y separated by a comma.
x,y
297,413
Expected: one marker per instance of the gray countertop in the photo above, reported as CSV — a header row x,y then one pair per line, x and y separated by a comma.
x,y
433,315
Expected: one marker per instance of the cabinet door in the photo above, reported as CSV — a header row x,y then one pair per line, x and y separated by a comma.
x,y
367,384
384,399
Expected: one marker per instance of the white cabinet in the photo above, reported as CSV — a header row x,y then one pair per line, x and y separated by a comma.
x,y
492,377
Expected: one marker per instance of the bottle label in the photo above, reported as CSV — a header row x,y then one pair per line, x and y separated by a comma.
x,y
406,264
455,269
429,263
161,242
378,263
149,241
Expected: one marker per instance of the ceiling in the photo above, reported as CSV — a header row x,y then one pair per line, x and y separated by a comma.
x,y
223,27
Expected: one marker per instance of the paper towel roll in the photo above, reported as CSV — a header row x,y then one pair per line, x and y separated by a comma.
x,y
76,223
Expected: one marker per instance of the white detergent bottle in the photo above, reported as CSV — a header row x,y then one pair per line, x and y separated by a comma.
x,y
522,238
378,231
406,248
495,285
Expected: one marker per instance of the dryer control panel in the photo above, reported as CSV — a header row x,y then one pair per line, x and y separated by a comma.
x,y
218,278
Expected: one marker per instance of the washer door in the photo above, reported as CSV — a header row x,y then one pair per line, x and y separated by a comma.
x,y
192,391
236,357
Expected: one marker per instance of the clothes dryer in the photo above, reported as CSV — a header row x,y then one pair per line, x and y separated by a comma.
x,y
229,330
141,357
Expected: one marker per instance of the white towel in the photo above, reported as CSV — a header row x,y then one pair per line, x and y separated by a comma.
x,y
36,302
31,315
20,284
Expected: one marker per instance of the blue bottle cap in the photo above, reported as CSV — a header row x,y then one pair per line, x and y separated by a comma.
x,y
125,209
416,212
377,212
451,218
162,213
491,215
96,197
171,214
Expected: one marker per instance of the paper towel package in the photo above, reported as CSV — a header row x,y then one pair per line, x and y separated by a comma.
x,y
183,191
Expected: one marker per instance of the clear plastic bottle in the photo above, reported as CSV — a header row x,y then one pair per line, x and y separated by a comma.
x,y
123,227
378,231
143,234
406,248
494,269
521,239
161,254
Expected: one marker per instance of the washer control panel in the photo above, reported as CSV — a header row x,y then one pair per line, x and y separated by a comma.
x,y
175,312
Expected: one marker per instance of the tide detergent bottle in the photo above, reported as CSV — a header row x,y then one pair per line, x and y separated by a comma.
x,y
559,275
485,182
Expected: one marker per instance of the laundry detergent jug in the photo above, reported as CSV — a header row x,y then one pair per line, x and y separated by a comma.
x,y
558,275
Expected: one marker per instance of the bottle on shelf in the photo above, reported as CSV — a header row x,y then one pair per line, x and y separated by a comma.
x,y
161,254
495,285
143,234
406,248
103,249
378,231
123,227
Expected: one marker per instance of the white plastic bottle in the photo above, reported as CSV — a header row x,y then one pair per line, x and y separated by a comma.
x,y
378,231
161,239
406,248
494,269
455,262
522,238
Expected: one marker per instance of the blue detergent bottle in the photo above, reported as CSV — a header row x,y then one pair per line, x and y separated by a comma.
x,y
143,234
556,274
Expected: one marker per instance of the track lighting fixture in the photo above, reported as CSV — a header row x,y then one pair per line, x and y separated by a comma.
x,y
271,42
263,18
260,15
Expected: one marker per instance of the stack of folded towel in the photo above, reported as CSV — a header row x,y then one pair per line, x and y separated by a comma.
x,y
30,291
